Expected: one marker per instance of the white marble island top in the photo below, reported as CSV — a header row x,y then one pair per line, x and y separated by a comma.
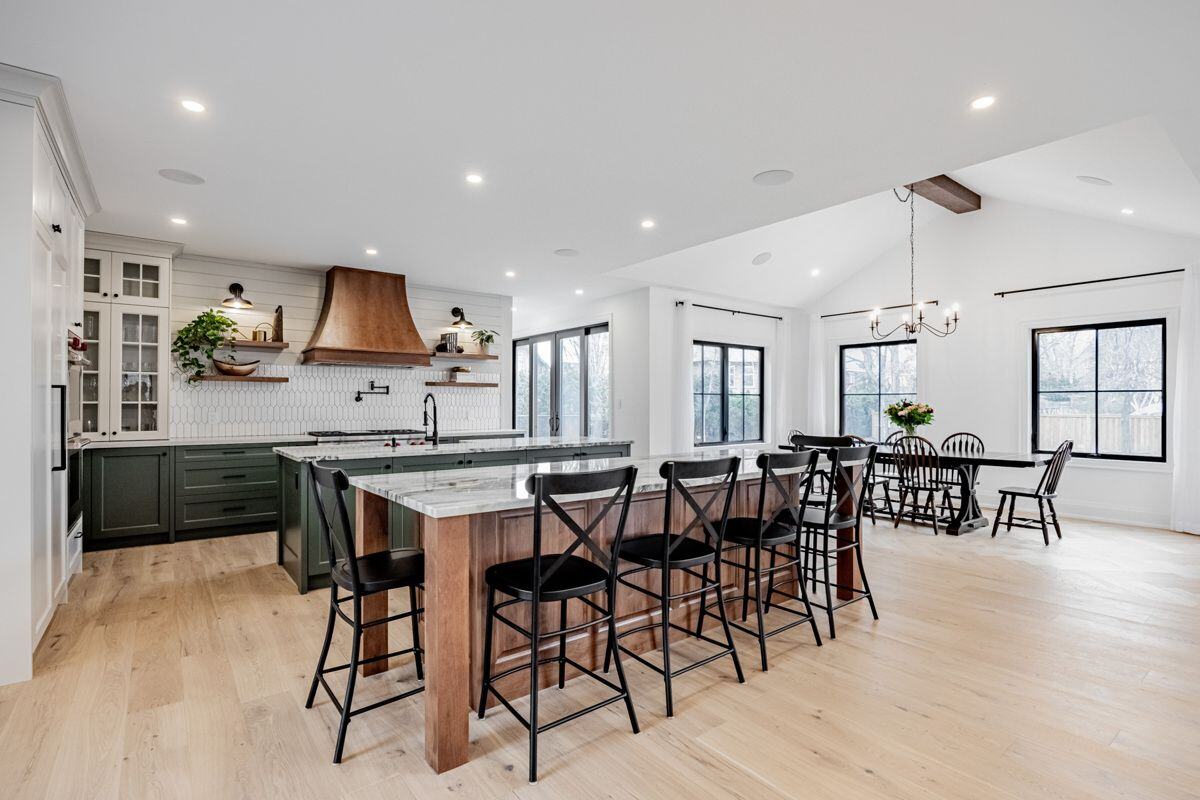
x,y
341,452
454,493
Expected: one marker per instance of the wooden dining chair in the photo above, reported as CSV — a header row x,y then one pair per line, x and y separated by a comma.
x,y
920,474
958,444
1046,491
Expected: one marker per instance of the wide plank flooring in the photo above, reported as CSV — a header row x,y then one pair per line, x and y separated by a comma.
x,y
999,669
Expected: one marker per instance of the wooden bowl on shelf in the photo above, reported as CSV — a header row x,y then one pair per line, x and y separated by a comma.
x,y
239,368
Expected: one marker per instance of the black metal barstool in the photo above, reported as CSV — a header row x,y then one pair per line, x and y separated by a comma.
x,y
770,532
677,552
1046,491
360,576
825,528
877,480
803,442
557,578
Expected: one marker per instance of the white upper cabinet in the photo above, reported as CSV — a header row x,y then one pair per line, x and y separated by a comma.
x,y
97,272
139,346
140,280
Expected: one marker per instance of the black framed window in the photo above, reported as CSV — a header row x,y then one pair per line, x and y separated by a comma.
x,y
561,383
1104,387
727,393
873,376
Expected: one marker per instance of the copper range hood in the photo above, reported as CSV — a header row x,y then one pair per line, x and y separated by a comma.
x,y
365,320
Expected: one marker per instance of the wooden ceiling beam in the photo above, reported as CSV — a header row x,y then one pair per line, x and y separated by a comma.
x,y
949,194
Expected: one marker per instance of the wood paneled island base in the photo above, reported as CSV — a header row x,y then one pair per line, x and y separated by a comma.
x,y
458,549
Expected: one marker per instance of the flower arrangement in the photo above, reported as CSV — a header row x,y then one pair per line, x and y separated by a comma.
x,y
909,414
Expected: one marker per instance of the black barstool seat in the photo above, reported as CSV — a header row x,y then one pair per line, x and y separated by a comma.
x,y
837,521
575,578
744,530
380,572
648,551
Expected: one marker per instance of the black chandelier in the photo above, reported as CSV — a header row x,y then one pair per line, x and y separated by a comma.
x,y
914,321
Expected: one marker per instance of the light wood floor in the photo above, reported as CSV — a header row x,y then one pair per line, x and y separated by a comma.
x,y
1000,668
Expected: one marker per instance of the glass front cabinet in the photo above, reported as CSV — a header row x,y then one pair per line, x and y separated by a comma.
x,y
126,325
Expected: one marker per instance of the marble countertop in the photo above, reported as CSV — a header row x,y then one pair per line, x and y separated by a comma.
x,y
300,438
454,493
340,452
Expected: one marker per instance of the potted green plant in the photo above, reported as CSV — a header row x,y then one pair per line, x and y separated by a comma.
x,y
200,338
484,339
909,415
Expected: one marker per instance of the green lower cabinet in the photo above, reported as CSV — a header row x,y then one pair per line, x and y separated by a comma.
x,y
130,493
209,510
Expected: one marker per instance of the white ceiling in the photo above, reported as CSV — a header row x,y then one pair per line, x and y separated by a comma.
x,y
335,126
837,241
1147,172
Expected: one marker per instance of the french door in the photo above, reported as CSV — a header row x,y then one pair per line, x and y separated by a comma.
x,y
561,383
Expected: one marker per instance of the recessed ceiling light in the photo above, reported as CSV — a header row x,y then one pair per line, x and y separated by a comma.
x,y
647,224
371,251
192,105
179,220
1127,211
510,274
579,291
980,103
1093,180
760,259
566,252
181,176
773,177
815,272
474,177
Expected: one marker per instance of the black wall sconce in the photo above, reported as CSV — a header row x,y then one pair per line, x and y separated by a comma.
x,y
460,318
237,301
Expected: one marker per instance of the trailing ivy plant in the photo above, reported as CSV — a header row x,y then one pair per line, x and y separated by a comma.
x,y
202,336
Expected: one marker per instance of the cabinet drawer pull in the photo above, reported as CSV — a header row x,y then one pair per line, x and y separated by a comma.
x,y
233,508
231,477
233,452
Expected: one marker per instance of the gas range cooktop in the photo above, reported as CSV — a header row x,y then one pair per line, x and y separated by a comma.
x,y
366,435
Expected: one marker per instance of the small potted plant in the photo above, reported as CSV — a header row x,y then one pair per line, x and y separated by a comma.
x,y
484,339
909,415
199,339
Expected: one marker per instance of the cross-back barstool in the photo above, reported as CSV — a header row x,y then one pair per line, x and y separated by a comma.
x,y
670,553
804,442
1046,491
773,533
360,576
557,578
836,529
875,482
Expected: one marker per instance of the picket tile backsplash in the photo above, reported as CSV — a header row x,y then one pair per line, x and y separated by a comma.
x,y
319,397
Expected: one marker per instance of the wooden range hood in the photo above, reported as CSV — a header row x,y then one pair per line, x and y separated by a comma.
x,y
365,320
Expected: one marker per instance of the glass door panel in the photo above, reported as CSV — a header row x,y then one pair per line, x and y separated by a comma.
x,y
521,382
94,401
140,279
543,354
570,382
96,265
561,383
139,369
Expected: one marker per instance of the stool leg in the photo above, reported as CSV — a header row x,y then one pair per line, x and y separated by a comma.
x,y
862,574
312,690
812,620
349,699
770,583
666,636
999,514
746,585
828,581
758,607
416,631
487,652
534,624
737,664
704,597
616,656
562,644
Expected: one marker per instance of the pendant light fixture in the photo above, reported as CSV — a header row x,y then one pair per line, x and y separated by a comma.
x,y
914,321
237,301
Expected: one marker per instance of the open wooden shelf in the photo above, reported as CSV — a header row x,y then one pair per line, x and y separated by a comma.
x,y
245,378
252,345
465,356
469,384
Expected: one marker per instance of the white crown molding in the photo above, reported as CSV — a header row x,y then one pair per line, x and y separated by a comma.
x,y
118,243
44,93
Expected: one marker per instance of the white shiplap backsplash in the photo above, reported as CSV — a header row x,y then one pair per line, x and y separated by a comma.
x,y
321,397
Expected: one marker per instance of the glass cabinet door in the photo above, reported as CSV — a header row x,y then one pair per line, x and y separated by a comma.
x,y
96,270
138,381
94,398
139,280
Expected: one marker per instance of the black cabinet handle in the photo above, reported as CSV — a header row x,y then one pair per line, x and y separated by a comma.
x,y
104,294
116,295
233,508
62,426
233,452
470,461
231,477
56,228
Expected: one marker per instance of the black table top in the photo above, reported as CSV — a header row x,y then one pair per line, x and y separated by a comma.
x,y
951,458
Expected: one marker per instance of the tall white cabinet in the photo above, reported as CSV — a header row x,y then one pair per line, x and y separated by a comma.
x,y
126,286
